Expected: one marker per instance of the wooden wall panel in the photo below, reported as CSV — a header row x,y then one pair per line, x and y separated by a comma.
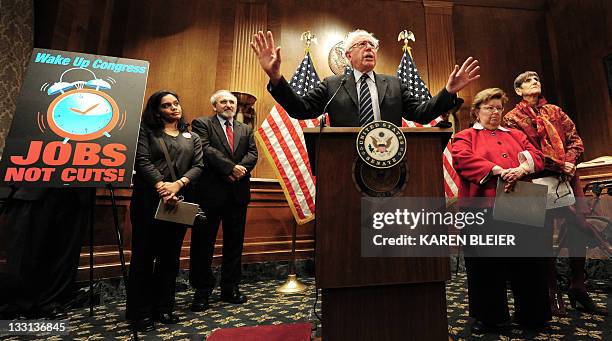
x,y
181,41
583,32
247,75
506,42
441,49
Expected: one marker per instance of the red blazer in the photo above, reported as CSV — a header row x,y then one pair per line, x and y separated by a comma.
x,y
477,150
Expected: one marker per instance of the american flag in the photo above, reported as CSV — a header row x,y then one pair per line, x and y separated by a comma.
x,y
285,148
407,72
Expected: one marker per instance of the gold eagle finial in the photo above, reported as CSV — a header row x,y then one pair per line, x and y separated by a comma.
x,y
406,35
308,38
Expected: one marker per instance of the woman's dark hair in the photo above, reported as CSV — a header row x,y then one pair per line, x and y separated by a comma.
x,y
151,115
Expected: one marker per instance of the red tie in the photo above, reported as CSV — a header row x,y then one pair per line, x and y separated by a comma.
x,y
230,135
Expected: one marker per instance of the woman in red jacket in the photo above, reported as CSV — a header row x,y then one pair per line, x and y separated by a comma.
x,y
481,154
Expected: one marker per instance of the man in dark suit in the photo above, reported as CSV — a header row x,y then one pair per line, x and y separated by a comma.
x,y
224,192
362,96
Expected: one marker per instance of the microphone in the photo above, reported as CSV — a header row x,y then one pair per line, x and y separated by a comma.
x,y
318,151
322,124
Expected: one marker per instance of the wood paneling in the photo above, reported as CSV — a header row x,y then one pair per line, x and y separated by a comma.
x,y
514,4
181,40
247,75
506,42
440,56
583,32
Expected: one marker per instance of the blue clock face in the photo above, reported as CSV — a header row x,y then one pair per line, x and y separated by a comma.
x,y
82,113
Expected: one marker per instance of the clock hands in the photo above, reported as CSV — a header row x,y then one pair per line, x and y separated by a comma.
x,y
84,112
90,108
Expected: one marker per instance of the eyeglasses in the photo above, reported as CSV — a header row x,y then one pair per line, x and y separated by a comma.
x,y
489,108
365,43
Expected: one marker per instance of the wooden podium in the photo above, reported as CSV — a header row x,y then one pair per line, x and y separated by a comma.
x,y
375,298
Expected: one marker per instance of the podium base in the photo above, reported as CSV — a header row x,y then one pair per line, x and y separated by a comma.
x,y
398,312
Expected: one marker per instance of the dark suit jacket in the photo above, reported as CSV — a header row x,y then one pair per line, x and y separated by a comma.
x,y
214,189
393,96
151,166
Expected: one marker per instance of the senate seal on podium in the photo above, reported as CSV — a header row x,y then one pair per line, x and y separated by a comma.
x,y
380,170
381,144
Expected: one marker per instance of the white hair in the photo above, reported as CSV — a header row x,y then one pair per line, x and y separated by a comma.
x,y
352,37
213,98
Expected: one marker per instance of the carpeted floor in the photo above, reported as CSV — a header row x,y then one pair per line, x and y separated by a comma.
x,y
265,306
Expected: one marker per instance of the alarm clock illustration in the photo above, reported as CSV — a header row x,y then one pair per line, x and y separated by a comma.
x,y
81,113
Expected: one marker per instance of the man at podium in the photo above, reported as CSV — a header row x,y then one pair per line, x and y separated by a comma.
x,y
361,95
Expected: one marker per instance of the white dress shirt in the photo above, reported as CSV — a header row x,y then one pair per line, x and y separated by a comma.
x,y
373,91
222,121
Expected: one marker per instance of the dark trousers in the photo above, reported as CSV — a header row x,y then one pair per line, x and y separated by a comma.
x,y
45,237
487,278
155,262
233,218
490,268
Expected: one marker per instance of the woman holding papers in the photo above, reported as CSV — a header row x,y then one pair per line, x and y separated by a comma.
x,y
481,154
156,245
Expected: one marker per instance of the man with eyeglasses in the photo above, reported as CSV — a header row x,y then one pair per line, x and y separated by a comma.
x,y
550,129
361,96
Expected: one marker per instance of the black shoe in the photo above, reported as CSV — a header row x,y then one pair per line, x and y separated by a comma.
x,y
479,327
586,303
53,311
233,296
200,300
166,318
143,325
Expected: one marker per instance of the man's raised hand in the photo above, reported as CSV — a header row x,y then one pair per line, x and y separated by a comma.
x,y
268,54
462,76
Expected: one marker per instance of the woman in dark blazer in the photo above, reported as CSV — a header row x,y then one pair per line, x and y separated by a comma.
x,y
156,245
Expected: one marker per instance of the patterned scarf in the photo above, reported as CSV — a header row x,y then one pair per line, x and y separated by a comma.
x,y
550,141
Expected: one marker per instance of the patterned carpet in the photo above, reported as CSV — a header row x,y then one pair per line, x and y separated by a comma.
x,y
265,306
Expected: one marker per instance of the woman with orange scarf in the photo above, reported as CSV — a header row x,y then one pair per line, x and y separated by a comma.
x,y
548,128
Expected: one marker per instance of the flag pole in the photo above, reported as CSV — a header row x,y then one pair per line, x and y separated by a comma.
x,y
293,285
